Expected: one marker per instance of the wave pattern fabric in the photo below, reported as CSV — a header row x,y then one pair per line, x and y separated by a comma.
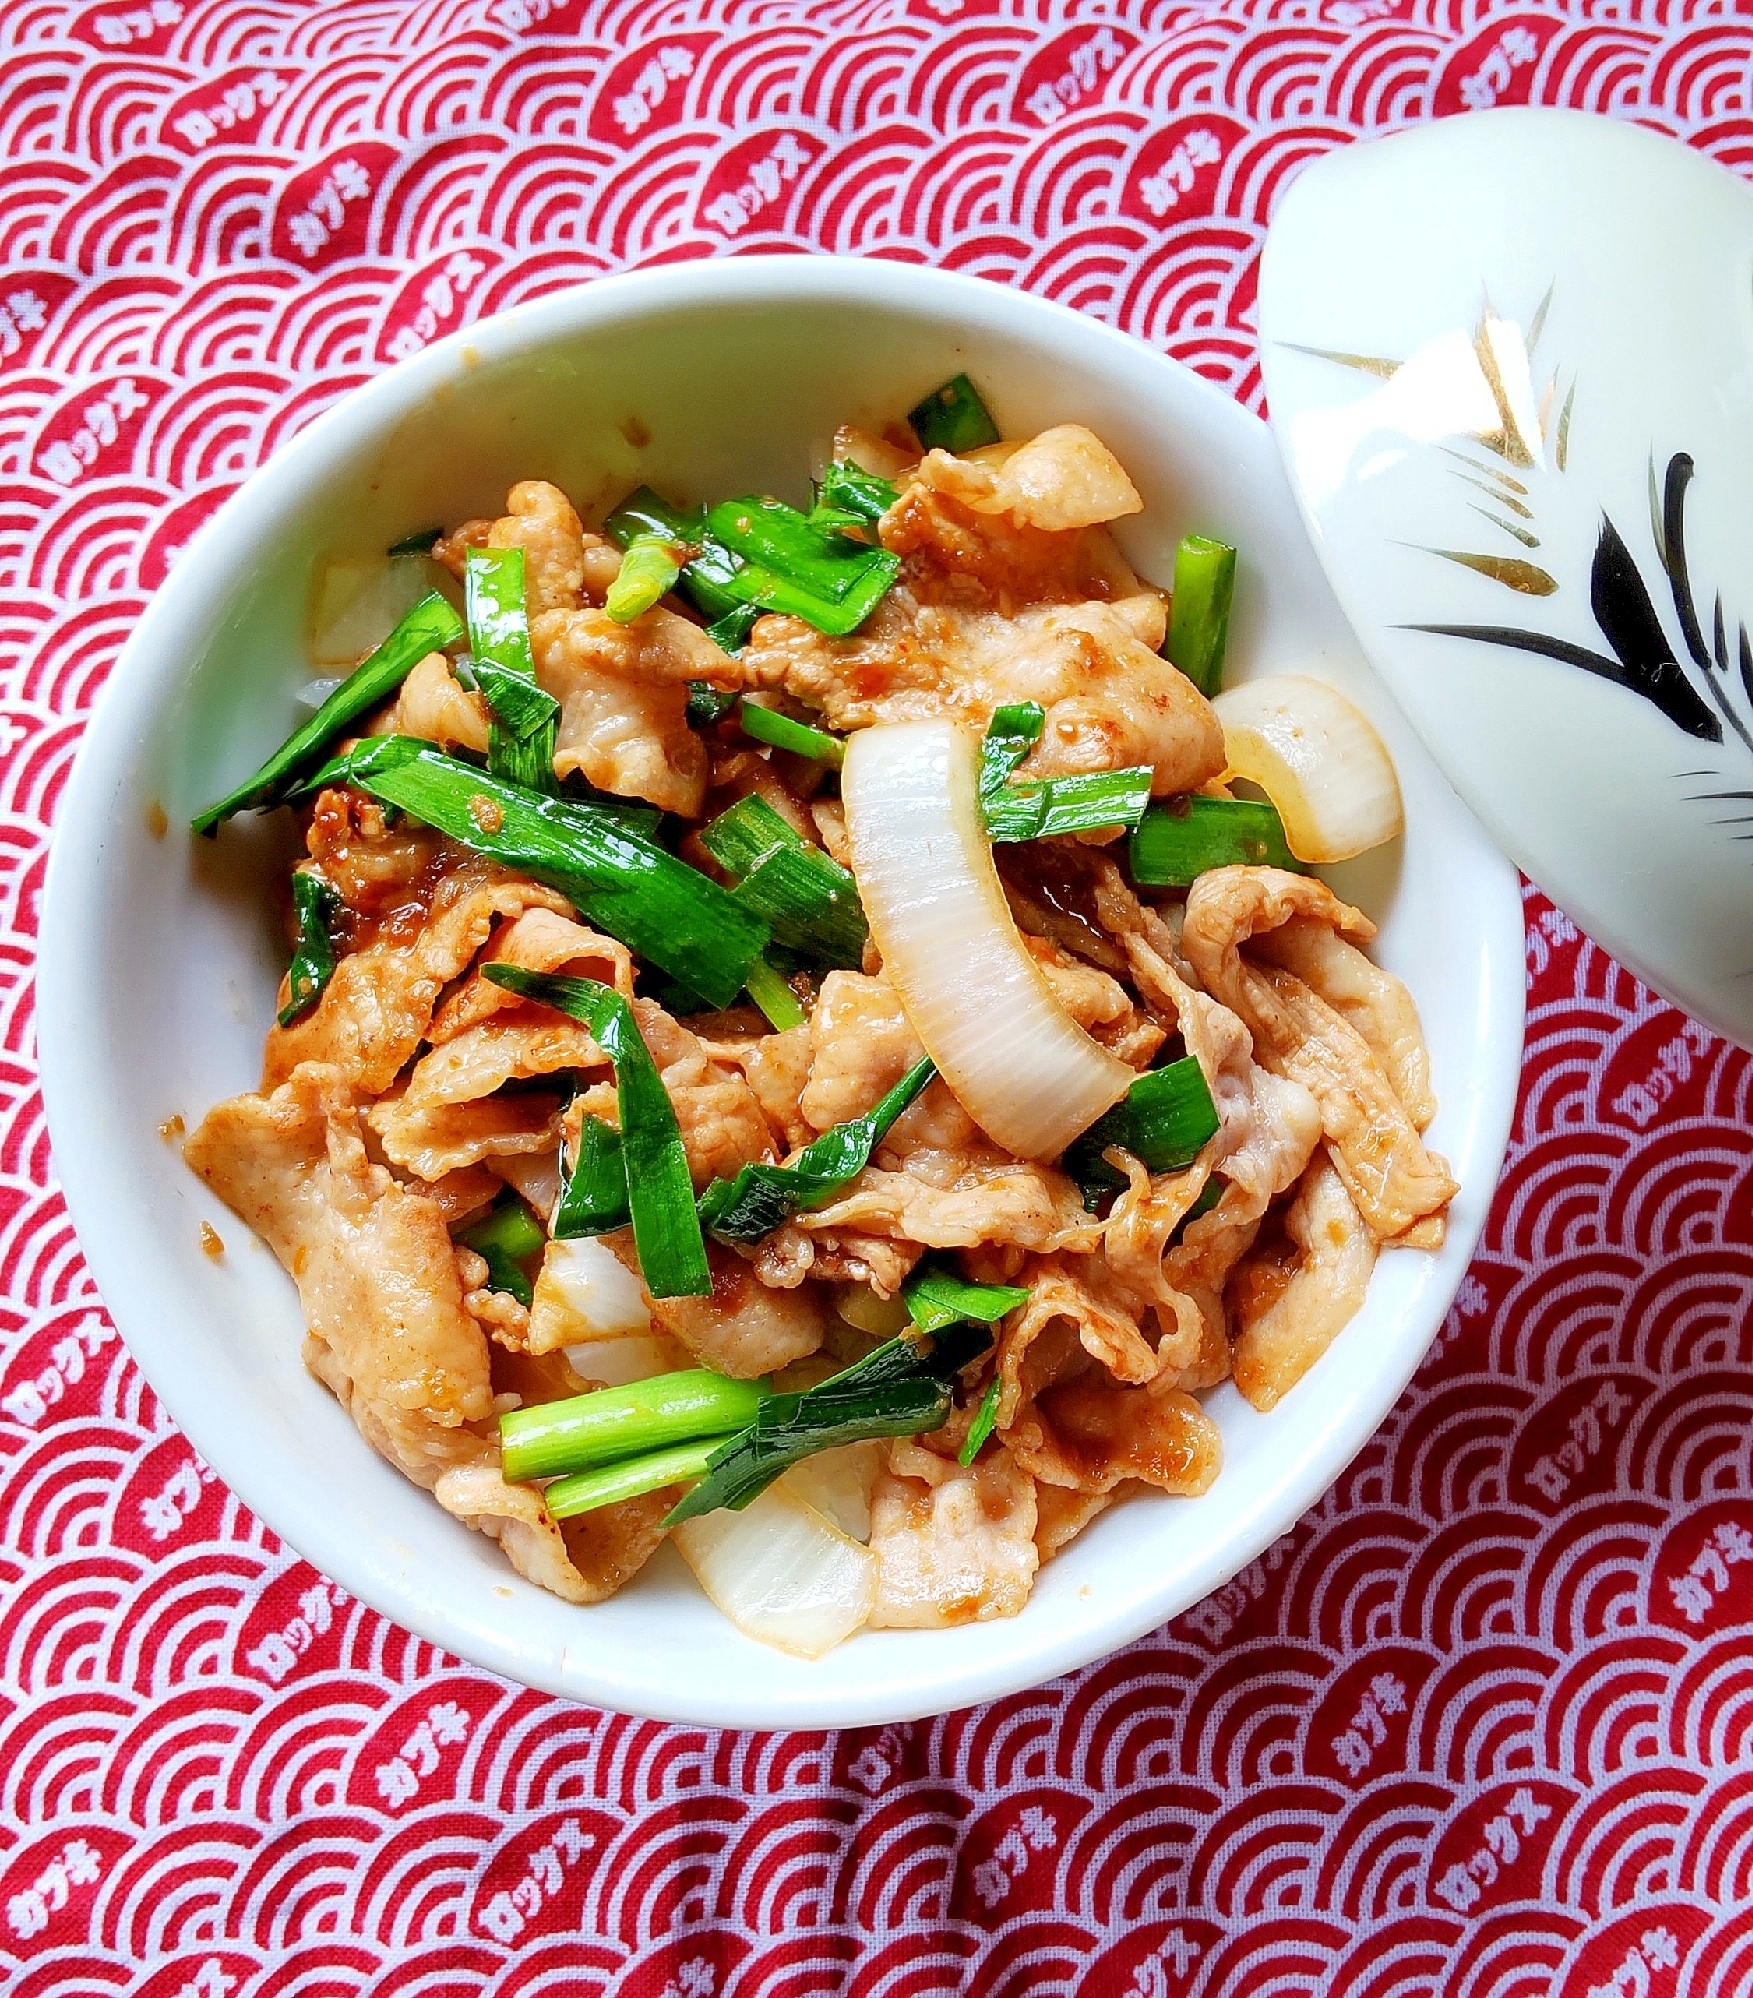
x,y
1481,1725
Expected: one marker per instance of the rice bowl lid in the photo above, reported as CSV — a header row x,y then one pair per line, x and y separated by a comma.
x,y
1509,359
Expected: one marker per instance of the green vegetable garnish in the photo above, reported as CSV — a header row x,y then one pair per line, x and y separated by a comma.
x,y
849,493
753,1204
807,899
507,1239
706,704
660,1195
1199,618
935,1296
619,881
953,418
428,627
594,1199
421,542
610,1425
730,633
609,1484
313,956
649,570
1048,806
520,742
1175,844
781,732
769,990
902,1389
985,1421
1163,1120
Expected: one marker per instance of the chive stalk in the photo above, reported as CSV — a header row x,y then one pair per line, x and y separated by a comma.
x,y
505,1241
316,905
769,990
609,1484
1046,807
848,492
665,911
953,418
935,1296
649,570
660,1195
1175,844
612,1424
421,542
706,703
779,731
806,898
1199,616
902,1389
752,1205
520,741
428,627
594,1198
985,1421
1163,1120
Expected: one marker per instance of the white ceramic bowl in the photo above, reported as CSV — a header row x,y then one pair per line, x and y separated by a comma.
x,y
159,959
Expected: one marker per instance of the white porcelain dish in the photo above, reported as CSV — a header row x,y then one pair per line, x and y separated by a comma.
x,y
159,963
1508,362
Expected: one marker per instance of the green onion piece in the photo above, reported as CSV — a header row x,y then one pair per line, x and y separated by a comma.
x,y
1058,805
849,489
612,1424
1175,844
1208,1197
706,704
506,1239
1012,732
422,542
775,998
585,1491
753,1204
1049,806
521,709
745,833
1163,1120
733,592
662,909
428,627
754,583
520,742
313,956
1199,617
808,900
901,1389
953,418
778,537
985,1421
935,1296
730,633
649,570
594,1199
781,732
660,1195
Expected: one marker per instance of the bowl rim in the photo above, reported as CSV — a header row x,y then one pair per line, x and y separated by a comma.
x,y
66,1012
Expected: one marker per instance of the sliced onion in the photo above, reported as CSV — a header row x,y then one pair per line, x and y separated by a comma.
x,y
583,1293
1017,1062
838,1483
864,1311
616,1362
781,1572
358,606
1317,759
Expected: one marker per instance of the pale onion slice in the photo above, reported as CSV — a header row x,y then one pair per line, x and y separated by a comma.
x,y
864,1311
783,1574
838,1483
584,1293
359,604
1317,759
615,1362
1017,1062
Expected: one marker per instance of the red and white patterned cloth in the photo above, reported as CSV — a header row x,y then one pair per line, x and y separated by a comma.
x,y
1482,1723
